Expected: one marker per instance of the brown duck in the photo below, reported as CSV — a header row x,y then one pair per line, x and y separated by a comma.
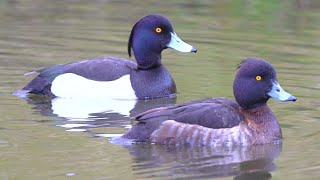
x,y
220,121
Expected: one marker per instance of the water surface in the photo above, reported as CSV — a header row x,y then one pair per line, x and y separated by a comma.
x,y
37,135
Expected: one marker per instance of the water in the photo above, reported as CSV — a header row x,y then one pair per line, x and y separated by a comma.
x,y
40,139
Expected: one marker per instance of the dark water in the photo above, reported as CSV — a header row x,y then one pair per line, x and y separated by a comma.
x,y
40,138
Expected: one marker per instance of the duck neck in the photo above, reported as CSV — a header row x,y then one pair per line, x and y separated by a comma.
x,y
262,121
147,59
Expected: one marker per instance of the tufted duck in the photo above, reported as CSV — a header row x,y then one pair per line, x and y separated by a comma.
x,y
220,121
117,77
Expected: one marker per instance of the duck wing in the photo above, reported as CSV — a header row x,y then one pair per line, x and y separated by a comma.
x,y
212,113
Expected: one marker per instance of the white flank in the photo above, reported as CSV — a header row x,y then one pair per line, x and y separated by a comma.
x,y
70,85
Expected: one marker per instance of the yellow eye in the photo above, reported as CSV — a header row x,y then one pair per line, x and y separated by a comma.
x,y
158,30
258,78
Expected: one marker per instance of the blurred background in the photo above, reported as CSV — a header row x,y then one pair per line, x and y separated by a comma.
x,y
38,139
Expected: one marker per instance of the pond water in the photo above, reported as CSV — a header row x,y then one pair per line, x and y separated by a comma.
x,y
55,139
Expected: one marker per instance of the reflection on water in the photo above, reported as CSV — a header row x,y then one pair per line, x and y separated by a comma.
x,y
81,114
186,162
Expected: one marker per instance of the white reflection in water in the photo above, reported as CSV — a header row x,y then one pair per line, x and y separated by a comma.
x,y
81,114
83,107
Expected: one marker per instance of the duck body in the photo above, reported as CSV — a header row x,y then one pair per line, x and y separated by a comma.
x,y
117,77
247,132
220,121
200,112
76,79
113,68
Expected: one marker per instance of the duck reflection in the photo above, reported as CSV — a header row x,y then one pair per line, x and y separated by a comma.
x,y
85,113
187,162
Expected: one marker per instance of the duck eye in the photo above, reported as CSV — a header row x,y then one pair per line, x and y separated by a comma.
x,y
158,30
258,78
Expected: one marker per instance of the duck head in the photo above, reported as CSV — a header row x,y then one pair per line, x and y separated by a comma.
x,y
149,36
256,82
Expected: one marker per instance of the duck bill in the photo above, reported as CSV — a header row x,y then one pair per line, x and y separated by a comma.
x,y
279,94
177,44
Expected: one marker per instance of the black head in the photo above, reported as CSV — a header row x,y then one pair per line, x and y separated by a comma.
x,y
149,36
255,82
